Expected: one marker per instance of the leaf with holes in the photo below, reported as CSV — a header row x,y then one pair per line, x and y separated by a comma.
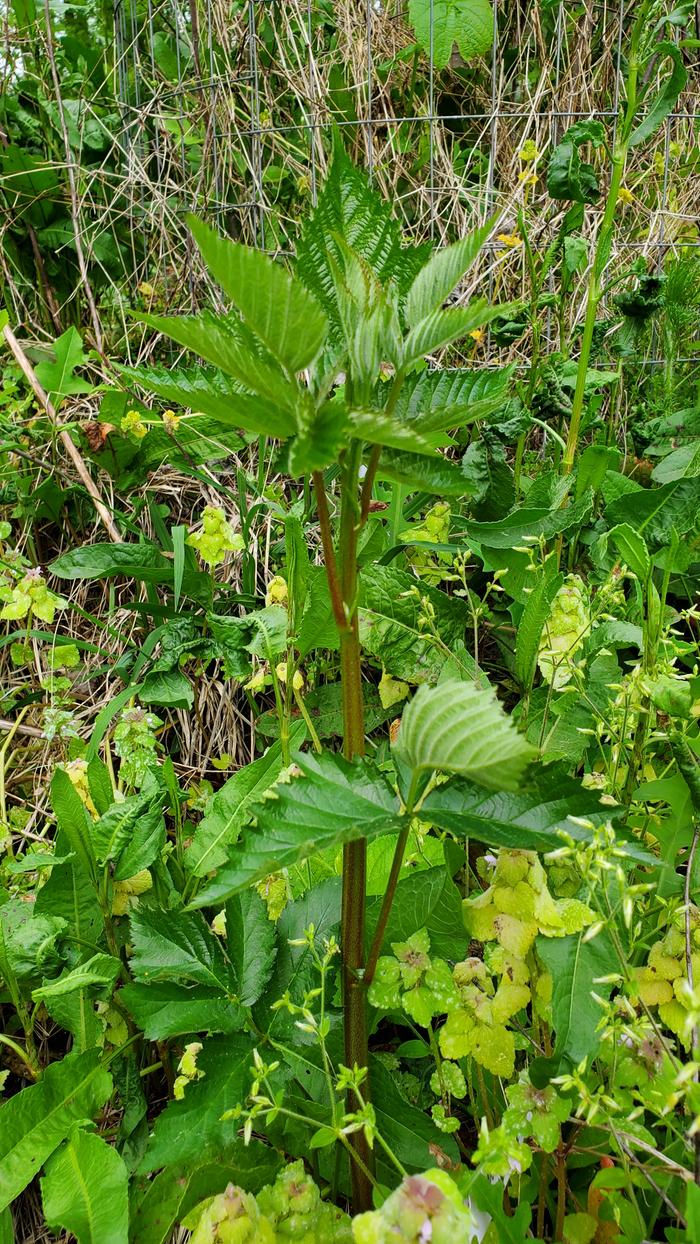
x,y
439,24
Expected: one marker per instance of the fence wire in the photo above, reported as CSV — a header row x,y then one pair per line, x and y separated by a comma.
x,y
228,108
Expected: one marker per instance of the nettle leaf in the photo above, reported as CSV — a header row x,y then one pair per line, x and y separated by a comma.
x,y
277,307
381,429
177,1190
568,177
576,967
525,820
251,942
442,327
349,209
209,392
187,1128
85,1191
320,437
439,24
450,398
229,808
228,344
165,1009
390,624
439,277
458,727
178,946
436,474
35,1121
331,802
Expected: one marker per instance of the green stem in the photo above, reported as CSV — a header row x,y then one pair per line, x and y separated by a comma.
x,y
604,241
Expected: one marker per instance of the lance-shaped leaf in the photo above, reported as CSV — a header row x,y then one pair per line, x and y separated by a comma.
x,y
435,474
443,326
209,392
442,273
331,802
98,972
225,342
114,831
228,809
85,1191
34,1122
535,614
576,966
73,821
279,310
664,102
458,727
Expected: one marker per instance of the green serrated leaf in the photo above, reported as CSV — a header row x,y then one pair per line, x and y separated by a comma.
x,y
229,808
390,624
187,1128
333,801
439,277
533,620
458,727
165,1009
85,1191
444,326
228,344
279,310
252,945
207,391
178,946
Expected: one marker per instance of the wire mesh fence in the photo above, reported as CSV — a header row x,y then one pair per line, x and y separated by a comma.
x,y
231,114
228,108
